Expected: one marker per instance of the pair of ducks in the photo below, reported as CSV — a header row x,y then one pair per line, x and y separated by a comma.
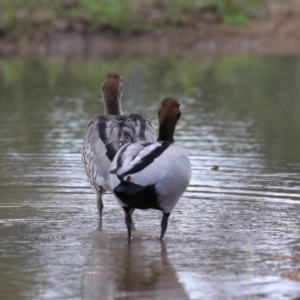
x,y
121,155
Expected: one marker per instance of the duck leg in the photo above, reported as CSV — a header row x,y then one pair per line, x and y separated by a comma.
x,y
100,205
164,224
128,220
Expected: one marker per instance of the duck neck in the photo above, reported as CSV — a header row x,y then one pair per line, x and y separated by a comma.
x,y
112,106
166,132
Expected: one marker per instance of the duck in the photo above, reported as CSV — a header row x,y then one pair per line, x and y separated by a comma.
x,y
152,175
107,133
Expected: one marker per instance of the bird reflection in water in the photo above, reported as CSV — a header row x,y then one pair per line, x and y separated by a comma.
x,y
137,270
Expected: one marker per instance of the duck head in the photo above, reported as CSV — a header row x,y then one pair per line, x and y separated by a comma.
x,y
168,115
112,90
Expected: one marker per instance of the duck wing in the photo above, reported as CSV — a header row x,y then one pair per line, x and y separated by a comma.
x,y
136,127
106,134
142,163
102,141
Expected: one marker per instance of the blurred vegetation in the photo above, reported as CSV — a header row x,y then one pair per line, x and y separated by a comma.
x,y
19,17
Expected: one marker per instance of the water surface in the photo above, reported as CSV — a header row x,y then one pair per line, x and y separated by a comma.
x,y
235,232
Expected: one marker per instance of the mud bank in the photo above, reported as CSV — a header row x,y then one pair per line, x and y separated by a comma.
x,y
279,34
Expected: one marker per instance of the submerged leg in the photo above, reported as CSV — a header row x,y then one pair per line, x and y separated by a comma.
x,y
128,220
131,211
100,205
164,225
132,224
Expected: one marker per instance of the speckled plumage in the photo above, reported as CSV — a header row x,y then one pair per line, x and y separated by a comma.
x,y
106,134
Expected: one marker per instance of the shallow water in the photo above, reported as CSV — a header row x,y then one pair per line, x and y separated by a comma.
x,y
235,232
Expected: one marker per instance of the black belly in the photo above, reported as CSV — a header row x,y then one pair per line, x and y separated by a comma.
x,y
137,196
